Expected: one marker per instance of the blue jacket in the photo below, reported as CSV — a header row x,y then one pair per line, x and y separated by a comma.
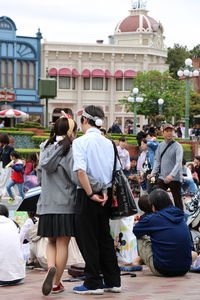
x,y
152,147
170,238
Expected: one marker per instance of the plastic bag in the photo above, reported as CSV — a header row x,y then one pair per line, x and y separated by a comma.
x,y
124,239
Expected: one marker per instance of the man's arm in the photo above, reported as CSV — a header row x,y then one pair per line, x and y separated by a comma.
x,y
84,181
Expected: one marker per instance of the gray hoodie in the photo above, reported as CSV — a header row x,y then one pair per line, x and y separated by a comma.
x,y
59,182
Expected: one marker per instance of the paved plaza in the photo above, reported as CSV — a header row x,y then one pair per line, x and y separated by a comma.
x,y
144,286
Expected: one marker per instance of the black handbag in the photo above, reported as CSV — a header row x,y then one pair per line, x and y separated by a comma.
x,y
123,204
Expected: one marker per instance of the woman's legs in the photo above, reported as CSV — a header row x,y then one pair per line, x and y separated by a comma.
x,y
57,254
61,257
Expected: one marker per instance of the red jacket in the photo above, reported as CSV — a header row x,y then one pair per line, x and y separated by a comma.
x,y
17,173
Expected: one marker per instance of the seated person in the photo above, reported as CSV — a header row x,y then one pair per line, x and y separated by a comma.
x,y
12,264
164,240
132,176
188,182
38,244
194,173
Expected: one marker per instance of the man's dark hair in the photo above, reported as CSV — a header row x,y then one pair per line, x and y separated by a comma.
x,y
144,204
144,141
103,130
94,111
184,162
122,139
4,211
160,199
4,139
16,154
197,157
134,158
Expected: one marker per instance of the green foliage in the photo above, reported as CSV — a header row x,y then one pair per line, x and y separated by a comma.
x,y
9,129
39,139
29,125
176,58
154,85
13,133
195,52
194,106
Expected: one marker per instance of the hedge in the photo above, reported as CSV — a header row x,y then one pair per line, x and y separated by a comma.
x,y
29,125
12,132
25,152
9,129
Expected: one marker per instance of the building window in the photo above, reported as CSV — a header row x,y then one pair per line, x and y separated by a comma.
x,y
86,83
73,83
31,75
19,74
64,82
97,83
3,74
10,82
25,76
119,84
106,84
128,84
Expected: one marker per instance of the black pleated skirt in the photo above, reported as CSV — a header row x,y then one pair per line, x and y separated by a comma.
x,y
56,225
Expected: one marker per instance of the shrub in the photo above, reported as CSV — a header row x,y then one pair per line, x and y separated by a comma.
x,y
25,152
17,132
29,125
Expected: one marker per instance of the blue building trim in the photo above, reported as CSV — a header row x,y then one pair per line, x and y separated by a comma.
x,y
23,54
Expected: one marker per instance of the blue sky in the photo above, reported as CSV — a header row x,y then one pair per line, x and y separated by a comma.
x,y
86,21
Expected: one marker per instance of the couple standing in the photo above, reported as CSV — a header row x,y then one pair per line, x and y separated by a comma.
x,y
88,164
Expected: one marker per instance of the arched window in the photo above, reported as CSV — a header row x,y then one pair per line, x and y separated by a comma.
x,y
10,83
31,75
3,73
19,74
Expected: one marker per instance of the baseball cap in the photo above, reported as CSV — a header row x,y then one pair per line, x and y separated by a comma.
x,y
167,125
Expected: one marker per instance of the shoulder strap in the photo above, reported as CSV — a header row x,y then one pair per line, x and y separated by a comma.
x,y
34,220
116,155
170,143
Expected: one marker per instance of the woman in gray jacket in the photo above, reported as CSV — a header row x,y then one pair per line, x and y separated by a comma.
x,y
56,205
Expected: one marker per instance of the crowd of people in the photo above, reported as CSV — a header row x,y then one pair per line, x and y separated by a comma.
x,y
75,175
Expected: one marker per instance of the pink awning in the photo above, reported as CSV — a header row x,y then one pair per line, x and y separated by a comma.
x,y
75,73
98,73
108,74
86,73
130,74
118,74
52,72
65,72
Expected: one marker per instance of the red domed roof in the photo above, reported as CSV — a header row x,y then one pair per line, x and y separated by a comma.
x,y
137,23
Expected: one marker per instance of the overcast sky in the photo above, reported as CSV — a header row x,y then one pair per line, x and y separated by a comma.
x,y
85,21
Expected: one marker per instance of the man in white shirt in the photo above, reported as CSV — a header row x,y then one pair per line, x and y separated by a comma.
x,y
94,156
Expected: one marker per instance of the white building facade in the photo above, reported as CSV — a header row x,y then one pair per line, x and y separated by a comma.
x,y
101,74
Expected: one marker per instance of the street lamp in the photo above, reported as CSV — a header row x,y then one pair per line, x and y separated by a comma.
x,y
187,72
160,104
134,98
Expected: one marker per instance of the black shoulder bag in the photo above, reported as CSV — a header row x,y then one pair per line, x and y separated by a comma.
x,y
123,204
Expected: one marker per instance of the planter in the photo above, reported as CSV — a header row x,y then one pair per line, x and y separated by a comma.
x,y
35,130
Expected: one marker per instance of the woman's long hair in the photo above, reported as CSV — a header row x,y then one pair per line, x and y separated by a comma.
x,y
61,128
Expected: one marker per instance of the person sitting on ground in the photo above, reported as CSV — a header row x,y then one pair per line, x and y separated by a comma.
x,y
16,176
133,177
197,165
164,240
194,173
188,182
12,264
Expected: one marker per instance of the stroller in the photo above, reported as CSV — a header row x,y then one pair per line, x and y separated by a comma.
x,y
193,220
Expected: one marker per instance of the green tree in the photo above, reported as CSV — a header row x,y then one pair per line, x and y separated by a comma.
x,y
195,52
154,85
176,58
194,106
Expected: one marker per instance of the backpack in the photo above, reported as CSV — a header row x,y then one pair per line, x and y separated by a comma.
x,y
33,231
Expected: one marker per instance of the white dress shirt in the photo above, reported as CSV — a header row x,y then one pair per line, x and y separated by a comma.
x,y
94,154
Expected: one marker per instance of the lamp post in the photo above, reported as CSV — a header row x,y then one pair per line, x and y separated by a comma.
x,y
134,98
187,72
160,105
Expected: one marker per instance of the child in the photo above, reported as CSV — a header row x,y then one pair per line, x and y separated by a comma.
x,y
16,176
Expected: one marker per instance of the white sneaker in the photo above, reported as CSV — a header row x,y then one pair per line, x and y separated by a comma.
x,y
115,289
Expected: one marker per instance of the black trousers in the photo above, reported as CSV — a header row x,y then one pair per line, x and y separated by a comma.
x,y
95,242
175,188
